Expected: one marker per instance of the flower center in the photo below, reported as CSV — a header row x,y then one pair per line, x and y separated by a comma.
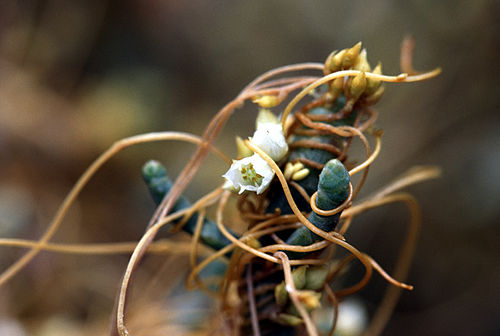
x,y
249,175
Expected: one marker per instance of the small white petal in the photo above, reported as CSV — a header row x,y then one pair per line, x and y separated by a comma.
x,y
253,166
228,185
269,137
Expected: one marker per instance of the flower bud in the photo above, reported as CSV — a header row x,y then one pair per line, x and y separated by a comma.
x,y
269,137
327,69
267,101
254,242
280,294
337,87
310,299
361,63
290,320
298,166
243,150
299,277
289,170
300,174
336,62
265,116
373,84
351,55
358,86
316,277
375,97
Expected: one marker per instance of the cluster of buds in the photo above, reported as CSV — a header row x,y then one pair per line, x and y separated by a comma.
x,y
357,88
295,171
309,282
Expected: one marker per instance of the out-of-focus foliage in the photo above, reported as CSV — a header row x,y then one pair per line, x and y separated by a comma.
x,y
77,75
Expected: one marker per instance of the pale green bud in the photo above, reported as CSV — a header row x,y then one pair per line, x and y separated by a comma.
x,y
299,277
316,277
288,319
358,86
280,294
373,84
351,55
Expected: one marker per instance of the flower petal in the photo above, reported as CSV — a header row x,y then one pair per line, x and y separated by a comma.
x,y
269,137
251,173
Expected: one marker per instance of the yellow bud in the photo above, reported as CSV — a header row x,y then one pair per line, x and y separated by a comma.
x,y
310,299
280,294
336,62
375,97
233,298
351,55
289,170
253,242
373,84
266,116
300,175
378,69
266,101
295,171
337,87
243,150
361,63
328,63
290,120
348,107
358,85
298,166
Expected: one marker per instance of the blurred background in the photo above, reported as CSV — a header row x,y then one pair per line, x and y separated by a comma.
x,y
75,76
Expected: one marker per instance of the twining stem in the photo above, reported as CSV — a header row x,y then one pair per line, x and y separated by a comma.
x,y
103,248
344,73
292,292
251,302
83,180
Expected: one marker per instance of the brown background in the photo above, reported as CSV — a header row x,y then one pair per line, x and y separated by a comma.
x,y
76,76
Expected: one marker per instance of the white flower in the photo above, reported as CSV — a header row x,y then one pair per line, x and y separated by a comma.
x,y
251,173
254,173
269,137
